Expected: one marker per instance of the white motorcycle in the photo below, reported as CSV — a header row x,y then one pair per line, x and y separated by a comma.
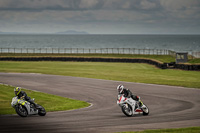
x,y
131,107
23,108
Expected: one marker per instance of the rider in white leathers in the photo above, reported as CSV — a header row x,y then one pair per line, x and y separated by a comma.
x,y
127,93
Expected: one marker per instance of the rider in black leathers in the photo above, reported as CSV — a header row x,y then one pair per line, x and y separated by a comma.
x,y
21,94
128,93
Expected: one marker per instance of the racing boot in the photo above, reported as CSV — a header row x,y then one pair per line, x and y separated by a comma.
x,y
140,103
36,106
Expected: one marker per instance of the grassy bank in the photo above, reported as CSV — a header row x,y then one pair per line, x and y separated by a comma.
x,y
161,58
179,130
131,72
50,102
194,61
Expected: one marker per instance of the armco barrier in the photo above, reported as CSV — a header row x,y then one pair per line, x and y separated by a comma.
x,y
82,59
187,67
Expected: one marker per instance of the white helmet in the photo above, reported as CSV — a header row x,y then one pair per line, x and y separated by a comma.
x,y
120,88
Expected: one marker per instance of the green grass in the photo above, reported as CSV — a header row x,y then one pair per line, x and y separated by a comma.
x,y
161,58
194,61
50,102
178,130
131,72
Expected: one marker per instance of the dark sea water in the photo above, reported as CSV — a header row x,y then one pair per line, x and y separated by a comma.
x,y
169,42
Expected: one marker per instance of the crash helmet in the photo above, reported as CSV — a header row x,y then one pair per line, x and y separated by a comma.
x,y
120,88
17,90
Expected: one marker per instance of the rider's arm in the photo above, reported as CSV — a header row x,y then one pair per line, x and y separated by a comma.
x,y
129,93
24,95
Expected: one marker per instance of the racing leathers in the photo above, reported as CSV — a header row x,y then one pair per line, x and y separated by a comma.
x,y
128,93
23,94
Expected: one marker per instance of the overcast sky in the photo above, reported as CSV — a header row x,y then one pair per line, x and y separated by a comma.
x,y
101,16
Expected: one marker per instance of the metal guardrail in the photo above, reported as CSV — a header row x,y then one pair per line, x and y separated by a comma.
x,y
194,54
87,50
95,51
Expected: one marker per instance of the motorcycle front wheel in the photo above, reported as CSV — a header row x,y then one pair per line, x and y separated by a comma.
x,y
127,110
21,111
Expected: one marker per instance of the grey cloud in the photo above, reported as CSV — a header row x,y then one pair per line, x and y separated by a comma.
x,y
135,13
96,4
39,5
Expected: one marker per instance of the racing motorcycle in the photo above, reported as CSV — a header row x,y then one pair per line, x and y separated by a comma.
x,y
23,108
131,107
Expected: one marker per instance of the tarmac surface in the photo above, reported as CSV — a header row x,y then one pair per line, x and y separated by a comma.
x,y
170,107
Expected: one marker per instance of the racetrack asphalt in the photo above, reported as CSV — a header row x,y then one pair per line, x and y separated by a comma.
x,y
170,106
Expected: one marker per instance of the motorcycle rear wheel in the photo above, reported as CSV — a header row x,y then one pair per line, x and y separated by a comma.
x,y
145,110
41,111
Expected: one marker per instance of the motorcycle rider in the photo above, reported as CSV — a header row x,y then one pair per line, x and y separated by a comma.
x,y
21,94
128,93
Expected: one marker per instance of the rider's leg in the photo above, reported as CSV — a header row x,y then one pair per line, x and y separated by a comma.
x,y
134,97
137,98
140,103
32,102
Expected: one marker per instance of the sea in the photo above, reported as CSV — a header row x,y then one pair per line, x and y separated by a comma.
x,y
179,43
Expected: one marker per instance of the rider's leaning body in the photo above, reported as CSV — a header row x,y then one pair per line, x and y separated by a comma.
x,y
127,93
22,95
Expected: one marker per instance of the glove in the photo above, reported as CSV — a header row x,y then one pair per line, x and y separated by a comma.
x,y
22,97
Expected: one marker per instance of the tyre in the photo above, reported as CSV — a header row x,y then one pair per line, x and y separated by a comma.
x,y
145,110
41,111
21,111
127,110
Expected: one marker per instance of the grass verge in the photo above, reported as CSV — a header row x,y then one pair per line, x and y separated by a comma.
x,y
161,58
194,61
178,130
48,101
130,72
